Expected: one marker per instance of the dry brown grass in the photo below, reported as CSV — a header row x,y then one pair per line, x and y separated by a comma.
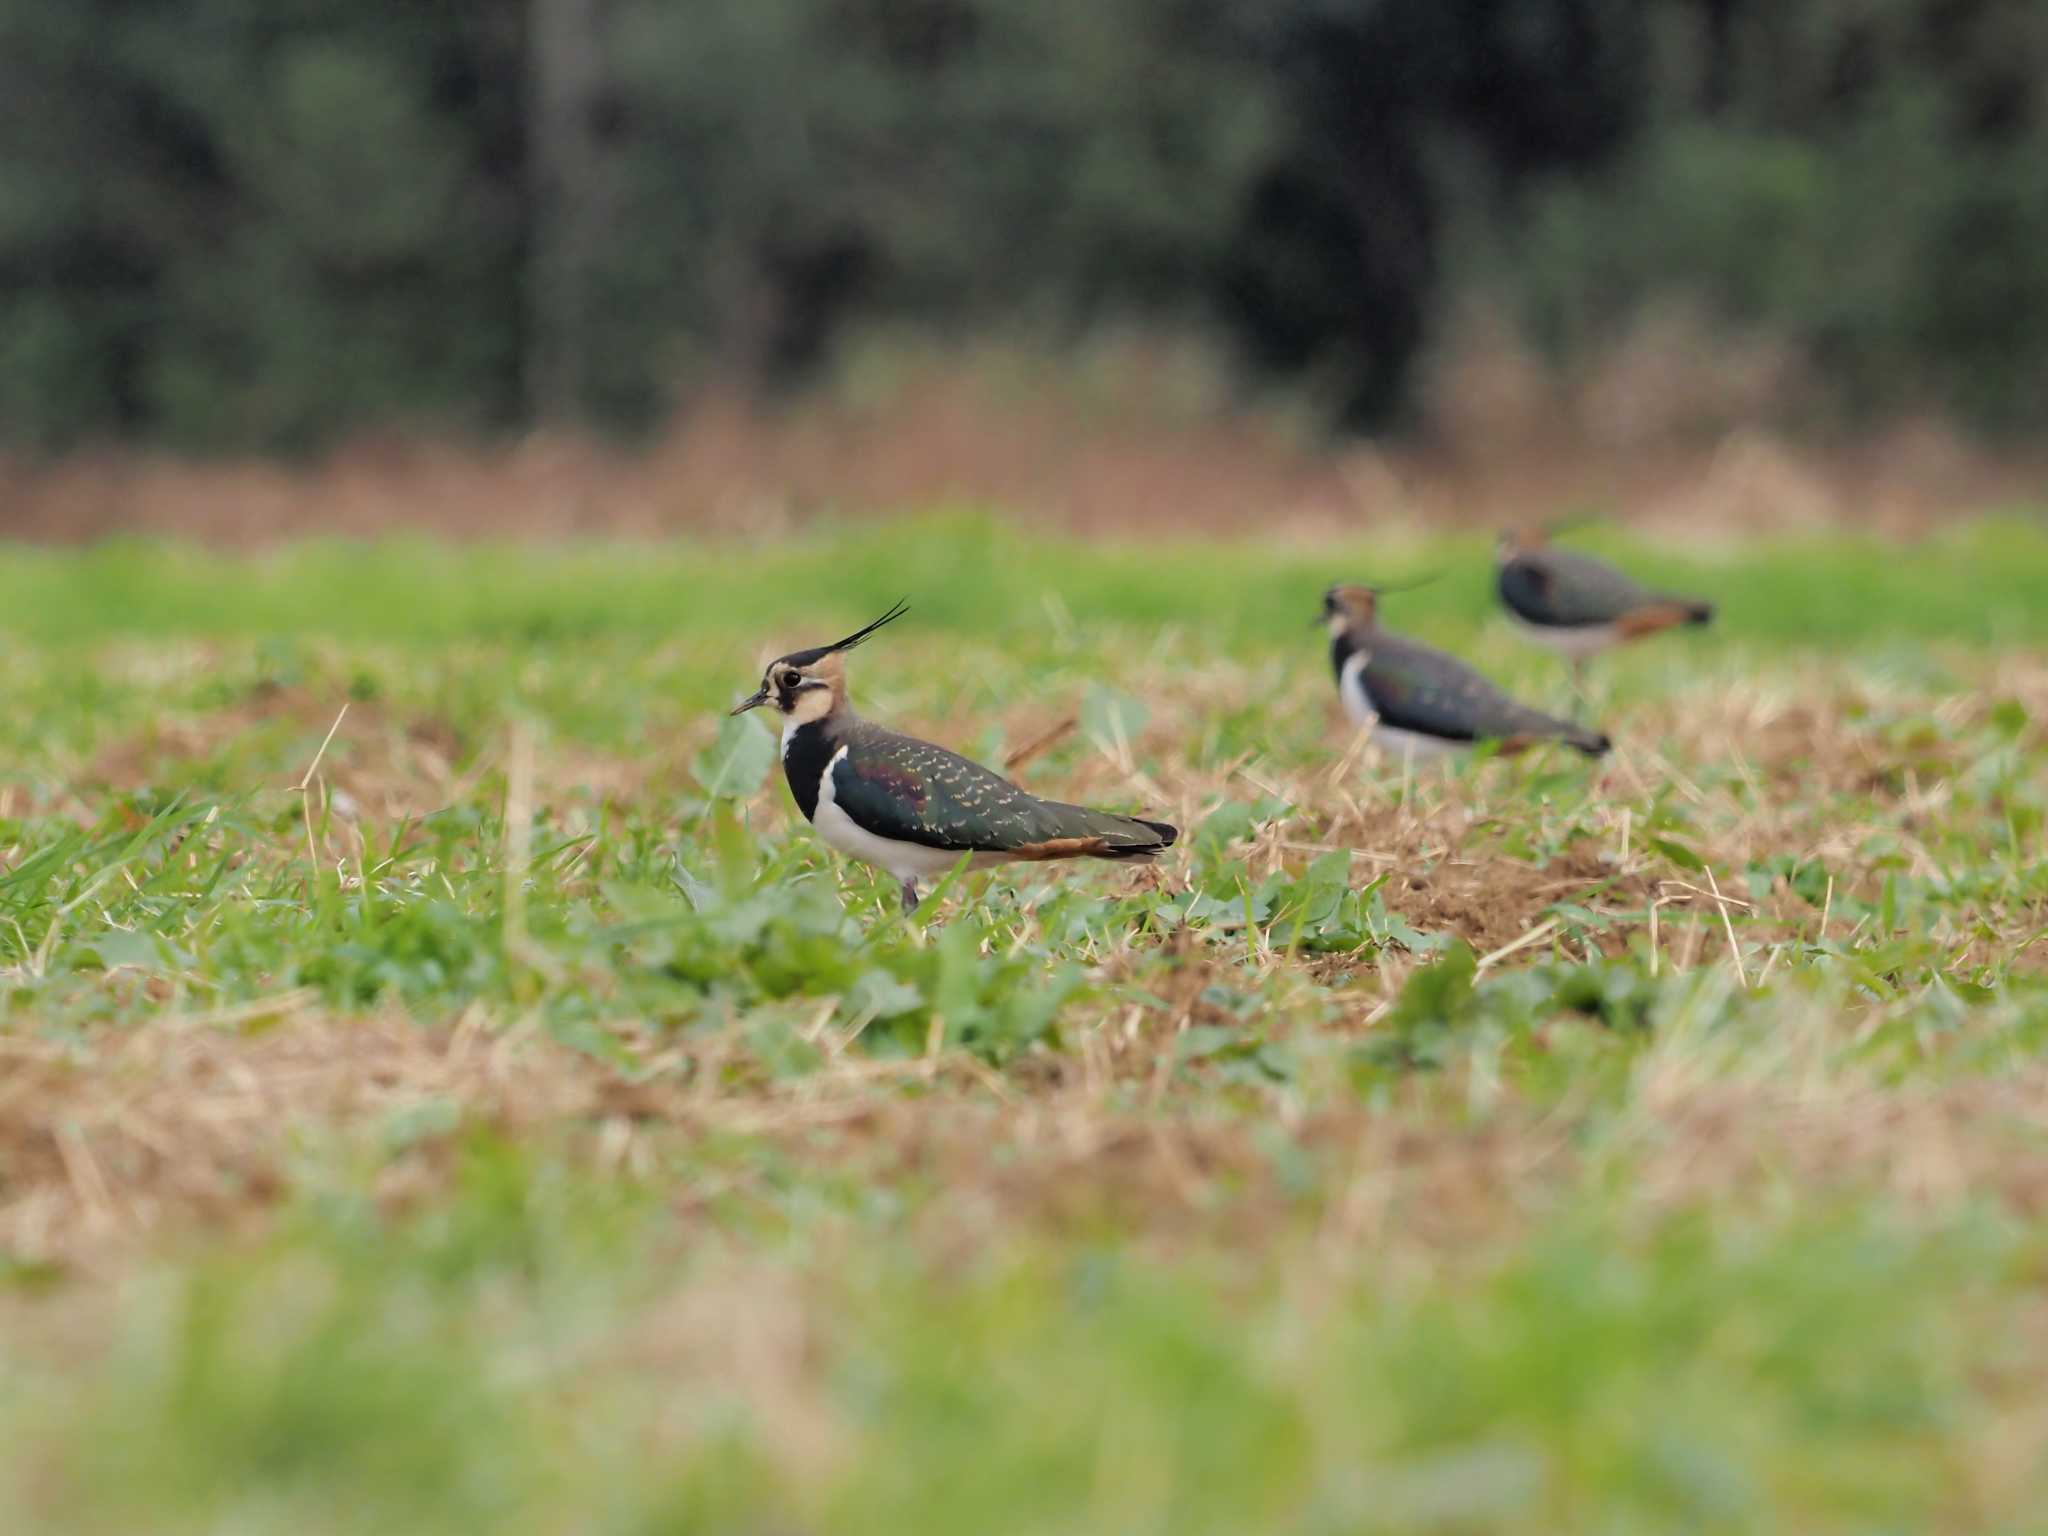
x,y
118,1139
1651,434
390,765
125,1144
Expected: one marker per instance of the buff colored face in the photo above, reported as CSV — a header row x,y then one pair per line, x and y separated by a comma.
x,y
1344,607
801,693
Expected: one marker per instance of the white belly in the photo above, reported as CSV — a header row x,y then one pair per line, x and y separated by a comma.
x,y
1391,740
1414,746
1575,642
906,861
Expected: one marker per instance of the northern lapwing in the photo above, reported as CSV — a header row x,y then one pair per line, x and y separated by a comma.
x,y
907,806
1578,606
1422,701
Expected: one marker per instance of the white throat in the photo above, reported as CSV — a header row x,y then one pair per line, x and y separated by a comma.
x,y
809,707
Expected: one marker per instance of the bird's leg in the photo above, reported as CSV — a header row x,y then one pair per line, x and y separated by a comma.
x,y
1579,680
909,897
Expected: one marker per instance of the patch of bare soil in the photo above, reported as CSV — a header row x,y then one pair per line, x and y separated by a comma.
x,y
1491,902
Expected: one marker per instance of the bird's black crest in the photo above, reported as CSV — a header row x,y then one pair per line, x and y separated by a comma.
x,y
1334,603
819,653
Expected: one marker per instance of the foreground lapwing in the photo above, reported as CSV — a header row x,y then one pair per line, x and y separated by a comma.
x,y
907,806
1422,701
1579,606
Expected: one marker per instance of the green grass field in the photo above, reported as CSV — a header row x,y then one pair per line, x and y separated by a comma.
x,y
521,1123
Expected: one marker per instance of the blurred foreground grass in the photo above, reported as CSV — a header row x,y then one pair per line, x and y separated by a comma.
x,y
528,1127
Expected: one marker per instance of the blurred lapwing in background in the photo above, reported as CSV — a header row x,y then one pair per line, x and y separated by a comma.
x,y
912,808
1424,702
1578,606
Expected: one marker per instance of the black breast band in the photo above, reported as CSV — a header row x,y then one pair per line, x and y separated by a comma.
x,y
803,764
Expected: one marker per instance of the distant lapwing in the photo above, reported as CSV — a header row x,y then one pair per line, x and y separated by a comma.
x,y
1578,606
1422,701
911,808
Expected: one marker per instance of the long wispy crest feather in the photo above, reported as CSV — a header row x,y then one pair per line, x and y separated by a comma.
x,y
901,607
1388,589
1358,602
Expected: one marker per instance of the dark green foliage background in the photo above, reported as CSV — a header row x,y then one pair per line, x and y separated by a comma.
x,y
266,223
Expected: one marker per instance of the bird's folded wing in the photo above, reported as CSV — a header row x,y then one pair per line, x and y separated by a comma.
x,y
1436,696
1573,589
908,790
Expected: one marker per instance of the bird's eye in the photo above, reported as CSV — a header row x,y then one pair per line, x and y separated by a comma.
x,y
791,679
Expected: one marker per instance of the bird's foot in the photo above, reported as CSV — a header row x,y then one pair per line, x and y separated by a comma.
x,y
909,897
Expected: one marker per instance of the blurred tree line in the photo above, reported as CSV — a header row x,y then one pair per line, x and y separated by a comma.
x,y
268,222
